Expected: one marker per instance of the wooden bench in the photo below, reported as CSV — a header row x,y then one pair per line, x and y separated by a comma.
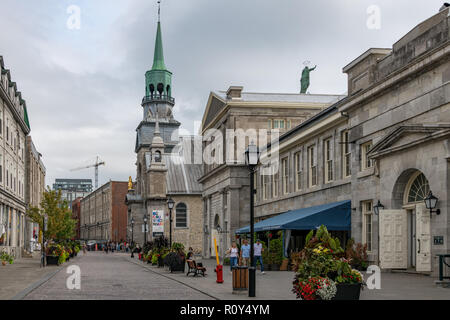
x,y
195,269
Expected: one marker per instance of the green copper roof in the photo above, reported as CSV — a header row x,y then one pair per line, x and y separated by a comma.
x,y
158,59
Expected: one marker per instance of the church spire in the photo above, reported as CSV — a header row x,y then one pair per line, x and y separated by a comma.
x,y
158,58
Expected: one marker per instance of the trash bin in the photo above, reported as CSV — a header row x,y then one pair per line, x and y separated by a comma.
x,y
240,279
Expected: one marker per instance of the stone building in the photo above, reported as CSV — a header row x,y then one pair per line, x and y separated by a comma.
x,y
76,215
34,186
14,127
231,119
387,142
103,214
165,167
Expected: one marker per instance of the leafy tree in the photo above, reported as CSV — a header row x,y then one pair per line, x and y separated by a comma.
x,y
60,224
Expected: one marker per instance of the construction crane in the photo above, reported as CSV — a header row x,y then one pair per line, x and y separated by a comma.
x,y
98,162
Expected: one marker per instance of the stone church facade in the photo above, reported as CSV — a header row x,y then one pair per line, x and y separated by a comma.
x,y
225,181
165,166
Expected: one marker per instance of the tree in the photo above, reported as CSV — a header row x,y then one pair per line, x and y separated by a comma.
x,y
60,224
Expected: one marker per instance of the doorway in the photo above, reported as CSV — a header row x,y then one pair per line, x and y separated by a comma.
x,y
412,238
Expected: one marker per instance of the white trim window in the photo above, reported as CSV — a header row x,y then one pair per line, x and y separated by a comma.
x,y
285,173
367,214
366,162
298,170
275,181
328,159
312,167
346,155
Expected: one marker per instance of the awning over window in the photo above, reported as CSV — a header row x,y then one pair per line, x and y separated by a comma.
x,y
335,216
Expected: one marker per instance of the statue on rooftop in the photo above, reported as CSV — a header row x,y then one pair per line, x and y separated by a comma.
x,y
305,77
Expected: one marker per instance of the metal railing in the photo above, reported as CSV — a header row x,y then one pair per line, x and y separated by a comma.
x,y
158,98
442,263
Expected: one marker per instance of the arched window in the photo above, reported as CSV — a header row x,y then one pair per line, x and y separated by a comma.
x,y
160,88
158,156
181,216
152,89
419,189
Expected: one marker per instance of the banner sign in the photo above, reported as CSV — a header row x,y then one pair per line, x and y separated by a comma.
x,y
158,221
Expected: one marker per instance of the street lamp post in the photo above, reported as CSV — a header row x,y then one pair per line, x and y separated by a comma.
x,y
376,209
170,204
430,203
132,237
145,228
44,228
251,160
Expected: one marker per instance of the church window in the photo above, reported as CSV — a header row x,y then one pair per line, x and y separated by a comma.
x,y
160,88
158,156
181,216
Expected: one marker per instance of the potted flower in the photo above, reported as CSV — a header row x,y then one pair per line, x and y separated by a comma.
x,y
155,259
275,253
6,258
321,268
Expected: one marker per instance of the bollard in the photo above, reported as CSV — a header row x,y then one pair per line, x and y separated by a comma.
x,y
219,272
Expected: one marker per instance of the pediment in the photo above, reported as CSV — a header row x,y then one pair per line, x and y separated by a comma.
x,y
408,136
213,107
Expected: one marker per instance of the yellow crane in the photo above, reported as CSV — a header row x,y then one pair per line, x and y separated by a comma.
x,y
98,162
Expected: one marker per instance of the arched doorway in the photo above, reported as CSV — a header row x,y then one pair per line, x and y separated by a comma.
x,y
405,237
418,222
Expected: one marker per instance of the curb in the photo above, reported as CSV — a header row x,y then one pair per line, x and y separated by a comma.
x,y
168,277
22,294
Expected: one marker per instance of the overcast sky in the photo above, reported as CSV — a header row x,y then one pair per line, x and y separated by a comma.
x,y
83,87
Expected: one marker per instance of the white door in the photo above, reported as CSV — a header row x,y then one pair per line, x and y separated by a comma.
x,y
393,239
423,236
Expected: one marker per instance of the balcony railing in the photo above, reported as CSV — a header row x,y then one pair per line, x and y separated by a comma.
x,y
158,98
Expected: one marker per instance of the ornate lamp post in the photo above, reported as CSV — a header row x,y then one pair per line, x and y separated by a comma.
x,y
132,237
44,228
430,203
170,204
251,160
376,210
145,228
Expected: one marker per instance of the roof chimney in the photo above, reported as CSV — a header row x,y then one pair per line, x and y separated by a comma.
x,y
444,6
234,92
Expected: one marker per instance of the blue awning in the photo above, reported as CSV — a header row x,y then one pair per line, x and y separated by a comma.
x,y
335,216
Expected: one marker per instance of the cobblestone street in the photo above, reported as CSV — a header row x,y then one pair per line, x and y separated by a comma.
x,y
111,276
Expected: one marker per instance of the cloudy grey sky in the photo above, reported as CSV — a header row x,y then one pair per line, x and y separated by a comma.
x,y
83,87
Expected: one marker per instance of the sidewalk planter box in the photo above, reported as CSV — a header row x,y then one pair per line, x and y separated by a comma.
x,y
52,260
347,291
267,267
160,262
177,267
240,279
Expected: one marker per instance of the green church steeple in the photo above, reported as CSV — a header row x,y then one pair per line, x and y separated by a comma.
x,y
158,80
158,58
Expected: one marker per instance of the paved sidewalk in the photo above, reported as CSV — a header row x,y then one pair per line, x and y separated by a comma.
x,y
23,274
273,285
277,285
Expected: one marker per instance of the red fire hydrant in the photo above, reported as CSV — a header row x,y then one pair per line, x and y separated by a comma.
x,y
219,272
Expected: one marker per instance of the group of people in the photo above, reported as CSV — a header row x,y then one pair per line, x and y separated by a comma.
x,y
243,257
115,246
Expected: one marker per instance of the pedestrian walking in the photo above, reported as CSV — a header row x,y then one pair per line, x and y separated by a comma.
x,y
234,255
258,249
245,253
84,248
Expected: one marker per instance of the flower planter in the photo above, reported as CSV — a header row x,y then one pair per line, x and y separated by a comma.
x,y
160,262
347,291
53,260
4,263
